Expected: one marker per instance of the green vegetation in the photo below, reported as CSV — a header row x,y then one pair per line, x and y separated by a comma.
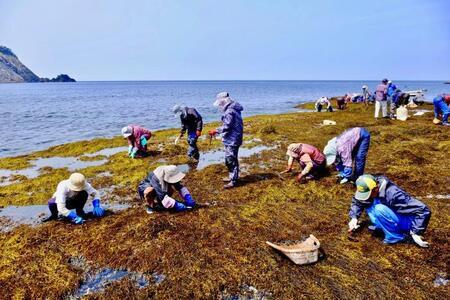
x,y
216,250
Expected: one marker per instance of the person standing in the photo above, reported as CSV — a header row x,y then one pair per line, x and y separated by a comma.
x,y
137,138
390,209
392,88
380,99
348,149
71,194
366,94
232,131
192,122
441,107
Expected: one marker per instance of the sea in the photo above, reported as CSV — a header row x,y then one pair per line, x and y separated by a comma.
x,y
35,116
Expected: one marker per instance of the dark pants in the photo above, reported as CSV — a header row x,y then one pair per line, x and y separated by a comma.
x,y
341,103
317,170
76,202
319,108
193,149
361,150
232,162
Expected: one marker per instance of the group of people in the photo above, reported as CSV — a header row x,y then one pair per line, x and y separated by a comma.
x,y
389,208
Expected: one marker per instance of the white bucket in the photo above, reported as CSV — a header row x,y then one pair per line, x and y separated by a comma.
x,y
402,113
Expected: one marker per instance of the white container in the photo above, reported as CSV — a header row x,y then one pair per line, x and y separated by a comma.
x,y
402,113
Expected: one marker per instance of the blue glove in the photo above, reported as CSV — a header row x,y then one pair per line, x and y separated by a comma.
x,y
179,206
143,141
130,149
97,211
188,200
75,218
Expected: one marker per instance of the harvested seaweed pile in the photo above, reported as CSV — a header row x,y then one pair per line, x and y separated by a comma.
x,y
219,251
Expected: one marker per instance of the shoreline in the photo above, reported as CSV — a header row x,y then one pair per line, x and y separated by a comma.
x,y
220,250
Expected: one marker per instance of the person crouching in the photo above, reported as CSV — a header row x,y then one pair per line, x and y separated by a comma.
x,y
137,138
158,187
73,194
390,209
311,160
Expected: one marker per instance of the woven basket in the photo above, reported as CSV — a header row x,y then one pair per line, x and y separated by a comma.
x,y
300,253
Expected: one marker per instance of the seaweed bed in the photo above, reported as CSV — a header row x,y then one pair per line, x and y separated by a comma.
x,y
219,251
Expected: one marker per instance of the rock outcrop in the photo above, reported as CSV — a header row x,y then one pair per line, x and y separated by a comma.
x,y
13,70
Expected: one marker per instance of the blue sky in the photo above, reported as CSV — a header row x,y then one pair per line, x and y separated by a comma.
x,y
213,40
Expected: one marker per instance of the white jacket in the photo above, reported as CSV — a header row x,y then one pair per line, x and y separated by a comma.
x,y
63,192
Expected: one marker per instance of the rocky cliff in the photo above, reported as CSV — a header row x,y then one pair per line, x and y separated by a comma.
x,y
13,70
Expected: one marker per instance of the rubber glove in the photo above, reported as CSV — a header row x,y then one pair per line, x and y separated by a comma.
x,y
133,153
198,133
344,180
143,141
418,240
177,140
130,149
178,207
353,224
97,211
74,218
213,132
188,200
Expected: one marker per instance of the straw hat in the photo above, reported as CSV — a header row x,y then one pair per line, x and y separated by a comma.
x,y
77,182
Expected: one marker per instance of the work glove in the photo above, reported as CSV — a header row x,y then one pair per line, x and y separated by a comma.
x,y
178,207
97,211
133,153
74,218
353,224
343,180
418,240
213,132
130,149
198,133
188,200
143,141
177,140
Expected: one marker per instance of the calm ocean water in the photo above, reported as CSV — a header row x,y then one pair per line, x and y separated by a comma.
x,y
39,115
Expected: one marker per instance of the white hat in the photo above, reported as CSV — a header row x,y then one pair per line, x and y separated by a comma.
x,y
77,182
365,87
330,151
177,109
222,99
127,131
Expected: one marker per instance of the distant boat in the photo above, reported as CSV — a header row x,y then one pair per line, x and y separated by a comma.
x,y
447,82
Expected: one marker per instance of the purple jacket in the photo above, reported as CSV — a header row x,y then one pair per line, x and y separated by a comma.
x,y
232,129
345,143
138,132
380,92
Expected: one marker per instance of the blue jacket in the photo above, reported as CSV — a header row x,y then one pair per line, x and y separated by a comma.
x,y
152,181
391,89
399,201
232,129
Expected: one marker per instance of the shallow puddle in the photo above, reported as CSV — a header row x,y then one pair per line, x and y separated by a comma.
x,y
441,279
101,280
218,156
33,215
71,163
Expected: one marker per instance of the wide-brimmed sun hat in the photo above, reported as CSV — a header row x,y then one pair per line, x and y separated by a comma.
x,y
177,109
127,131
330,151
364,186
292,150
77,182
172,174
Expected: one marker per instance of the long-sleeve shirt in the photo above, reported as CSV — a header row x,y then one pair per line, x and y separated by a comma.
x,y
308,153
323,101
399,201
345,143
63,192
152,181
134,139
232,128
191,120
380,92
